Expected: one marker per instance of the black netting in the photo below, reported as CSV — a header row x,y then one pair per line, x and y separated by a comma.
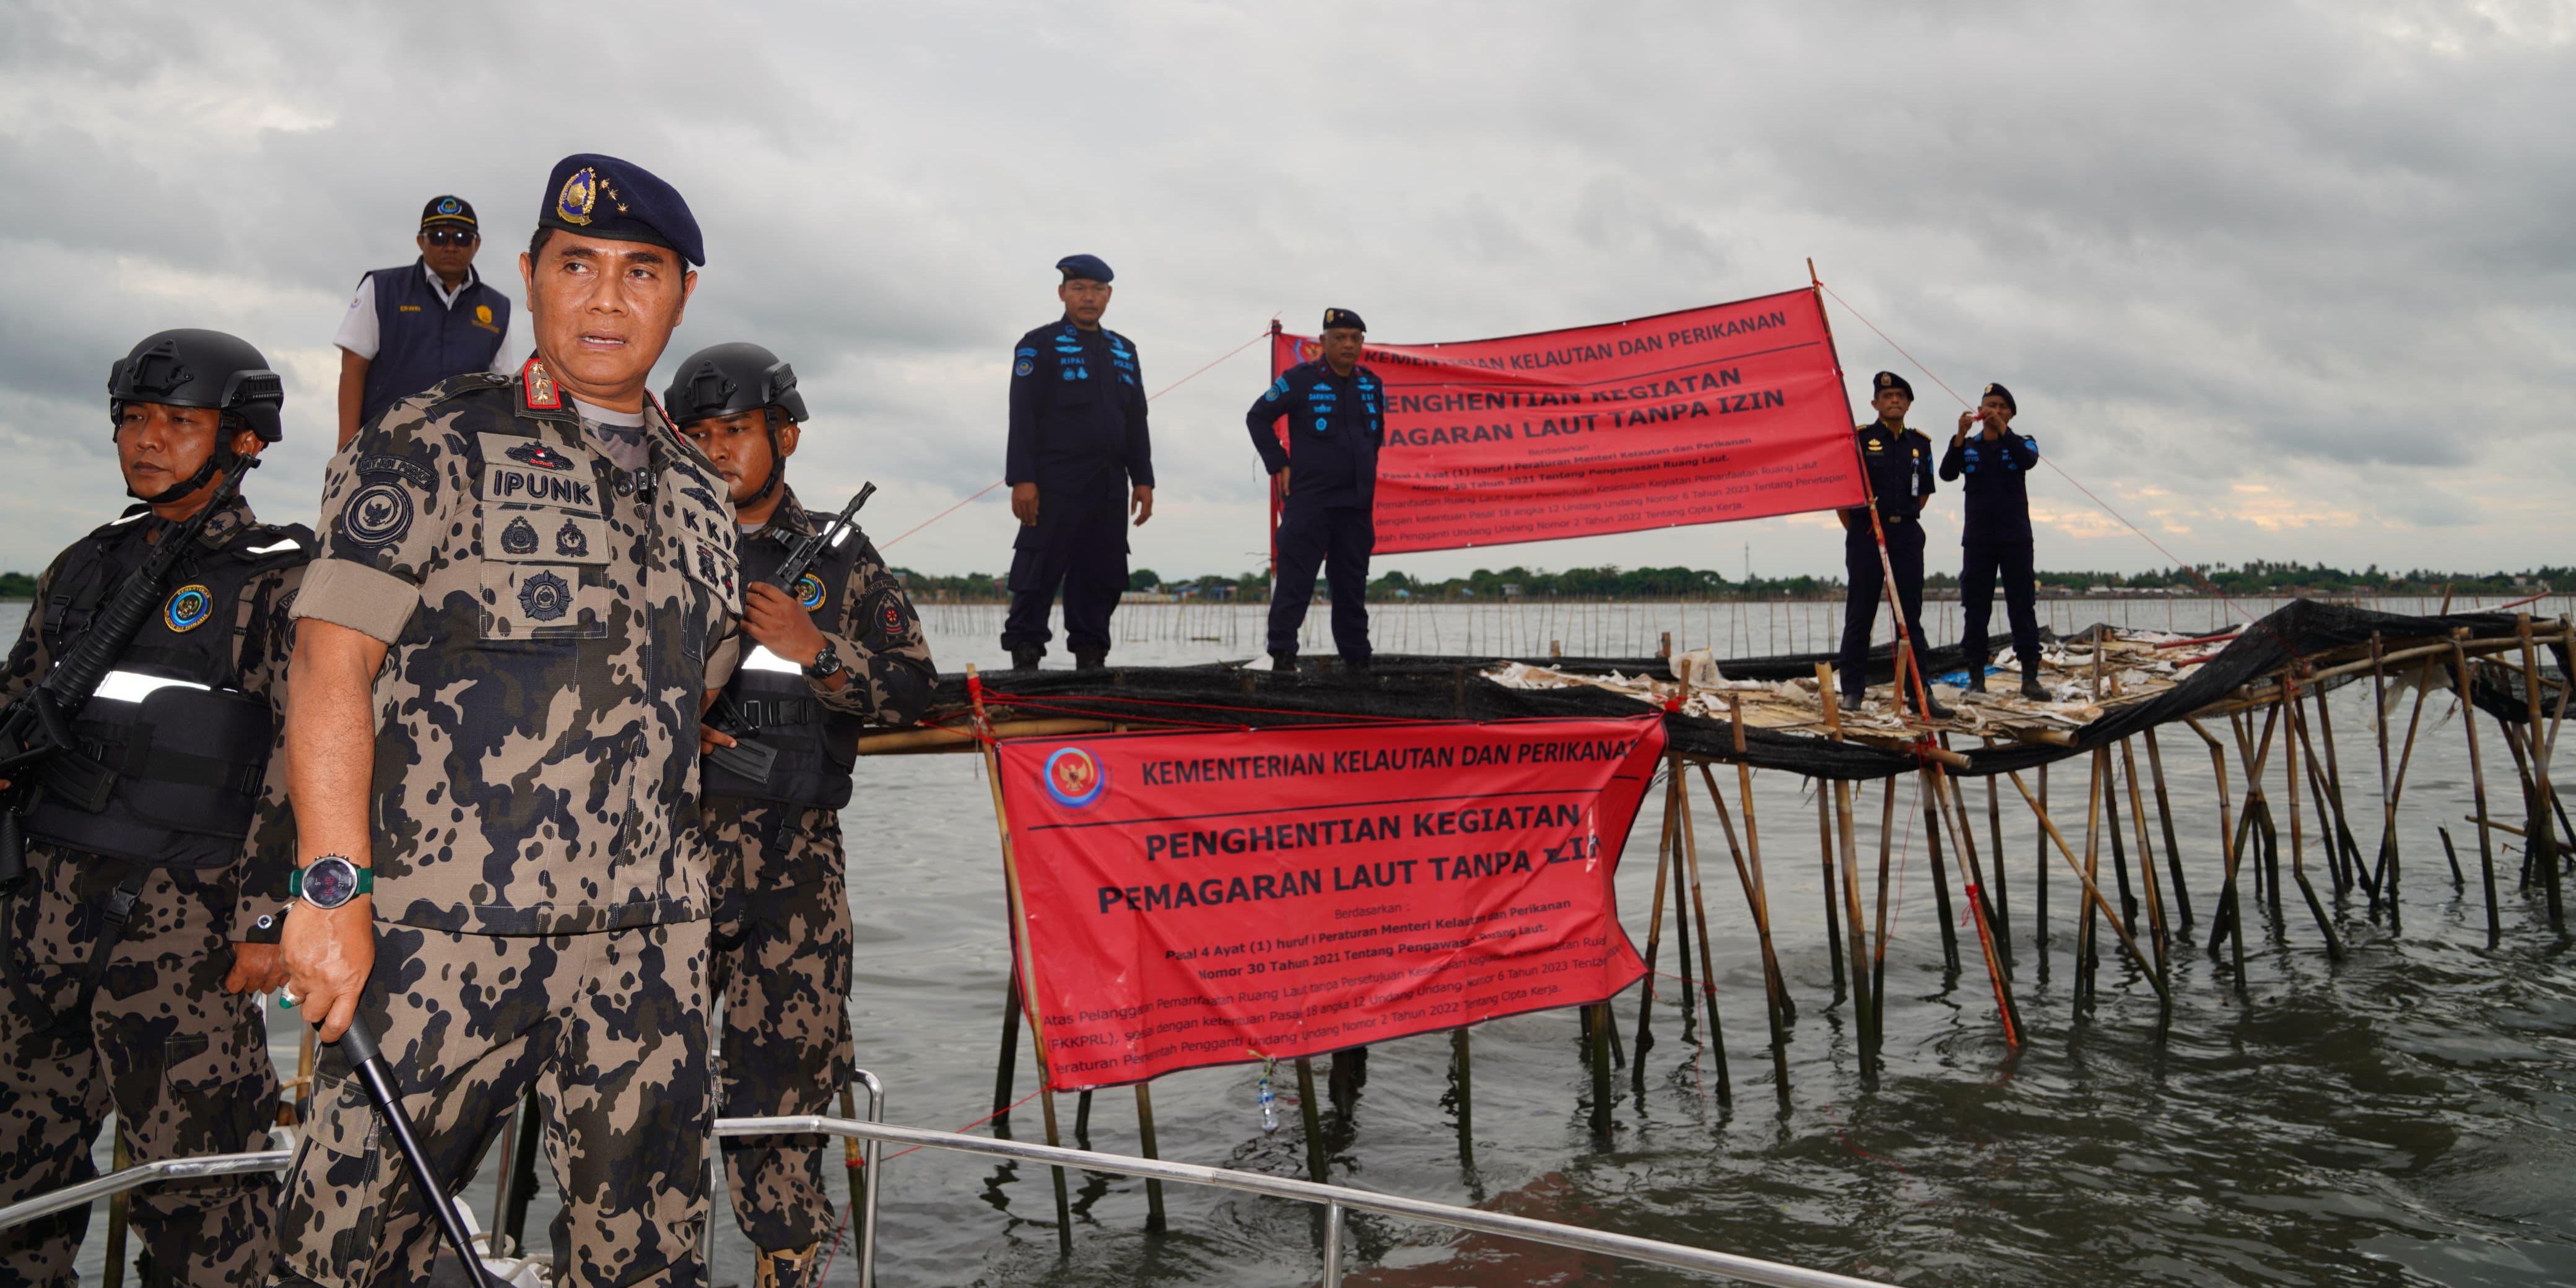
x,y
1450,688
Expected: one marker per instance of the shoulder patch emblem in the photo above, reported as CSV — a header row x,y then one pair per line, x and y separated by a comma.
x,y
890,618
188,609
809,592
570,543
378,514
1024,367
520,538
545,597
539,455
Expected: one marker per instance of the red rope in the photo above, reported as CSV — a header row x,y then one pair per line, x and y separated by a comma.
x,y
943,514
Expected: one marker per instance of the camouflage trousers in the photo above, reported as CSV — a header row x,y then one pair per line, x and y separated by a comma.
x,y
608,1027
782,963
184,1064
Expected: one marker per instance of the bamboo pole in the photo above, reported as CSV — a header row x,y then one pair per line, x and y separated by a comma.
x,y
1944,791
1707,963
1778,981
1940,883
1655,921
1462,1069
2092,891
2397,787
2543,844
2387,784
2478,789
2119,846
2157,930
1878,955
2088,958
1857,940
2229,919
1825,830
1154,1222
2348,851
1311,1116
2298,737
2039,872
2173,844
1028,958
1774,994
1599,1051
2002,931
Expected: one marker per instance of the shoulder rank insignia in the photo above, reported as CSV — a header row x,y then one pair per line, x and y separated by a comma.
x,y
541,392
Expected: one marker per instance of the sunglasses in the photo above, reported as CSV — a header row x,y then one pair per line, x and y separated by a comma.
x,y
450,237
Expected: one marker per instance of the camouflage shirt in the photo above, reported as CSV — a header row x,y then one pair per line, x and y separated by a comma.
x,y
767,845
552,625
263,639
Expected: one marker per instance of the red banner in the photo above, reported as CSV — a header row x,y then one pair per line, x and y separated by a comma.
x,y
1197,899
1734,411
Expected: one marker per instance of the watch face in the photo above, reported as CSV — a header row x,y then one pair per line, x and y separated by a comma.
x,y
331,882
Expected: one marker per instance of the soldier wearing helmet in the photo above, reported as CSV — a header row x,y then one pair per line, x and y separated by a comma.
x,y
839,649
145,924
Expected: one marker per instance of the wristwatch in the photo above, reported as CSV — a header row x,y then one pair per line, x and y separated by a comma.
x,y
331,882
827,662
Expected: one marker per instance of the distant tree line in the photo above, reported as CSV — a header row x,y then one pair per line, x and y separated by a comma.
x,y
2258,577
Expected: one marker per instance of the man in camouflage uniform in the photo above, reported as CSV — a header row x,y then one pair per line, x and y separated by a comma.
x,y
525,594
130,984
838,647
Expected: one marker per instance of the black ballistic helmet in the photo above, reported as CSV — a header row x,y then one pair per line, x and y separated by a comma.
x,y
192,368
730,379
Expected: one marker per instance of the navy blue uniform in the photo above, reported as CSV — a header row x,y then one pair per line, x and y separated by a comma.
x,y
421,339
1996,541
1899,463
1078,432
1335,426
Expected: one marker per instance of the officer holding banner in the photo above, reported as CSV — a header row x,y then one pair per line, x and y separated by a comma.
x,y
1327,479
1898,462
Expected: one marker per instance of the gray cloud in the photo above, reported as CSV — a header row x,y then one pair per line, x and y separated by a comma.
x,y
2290,279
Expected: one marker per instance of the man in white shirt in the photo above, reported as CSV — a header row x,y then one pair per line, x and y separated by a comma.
x,y
415,325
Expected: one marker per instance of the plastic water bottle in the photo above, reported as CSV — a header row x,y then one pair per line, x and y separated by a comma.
x,y
1269,1102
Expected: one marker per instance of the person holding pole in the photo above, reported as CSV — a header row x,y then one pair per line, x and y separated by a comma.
x,y
139,923
1327,480
1996,464
1898,462
524,599
837,647
1079,460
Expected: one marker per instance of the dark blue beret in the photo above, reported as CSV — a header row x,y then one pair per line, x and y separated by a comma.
x,y
1343,317
1087,267
1998,391
1886,380
601,196
447,210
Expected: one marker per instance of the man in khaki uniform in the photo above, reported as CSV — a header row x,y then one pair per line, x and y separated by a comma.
x,y
135,948
837,649
524,596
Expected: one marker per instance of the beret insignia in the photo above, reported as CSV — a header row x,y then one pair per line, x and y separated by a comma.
x,y
580,193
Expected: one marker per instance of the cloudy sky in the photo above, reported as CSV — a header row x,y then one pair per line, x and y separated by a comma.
x,y
2275,281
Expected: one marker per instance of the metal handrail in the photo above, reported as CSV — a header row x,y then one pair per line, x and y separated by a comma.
x,y
1335,1199
118,1182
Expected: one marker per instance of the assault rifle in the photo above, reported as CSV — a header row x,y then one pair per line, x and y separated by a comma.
x,y
750,758
37,727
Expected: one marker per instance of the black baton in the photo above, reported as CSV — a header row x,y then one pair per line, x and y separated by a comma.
x,y
368,1063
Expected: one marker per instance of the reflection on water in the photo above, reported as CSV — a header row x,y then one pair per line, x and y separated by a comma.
x,y
2404,1116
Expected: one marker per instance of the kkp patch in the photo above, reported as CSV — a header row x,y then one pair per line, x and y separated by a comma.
x,y
580,193
539,455
545,597
378,514
809,592
1074,777
188,608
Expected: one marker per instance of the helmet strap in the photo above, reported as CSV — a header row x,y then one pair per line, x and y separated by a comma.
x,y
777,467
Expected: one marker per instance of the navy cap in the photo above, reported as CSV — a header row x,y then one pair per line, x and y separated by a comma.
x,y
447,210
1887,380
1087,267
1343,318
601,196
1998,391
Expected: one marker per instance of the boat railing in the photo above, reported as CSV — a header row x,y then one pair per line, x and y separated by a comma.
x,y
1337,1201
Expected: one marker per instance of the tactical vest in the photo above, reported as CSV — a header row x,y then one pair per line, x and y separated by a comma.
x,y
816,746
421,340
169,779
